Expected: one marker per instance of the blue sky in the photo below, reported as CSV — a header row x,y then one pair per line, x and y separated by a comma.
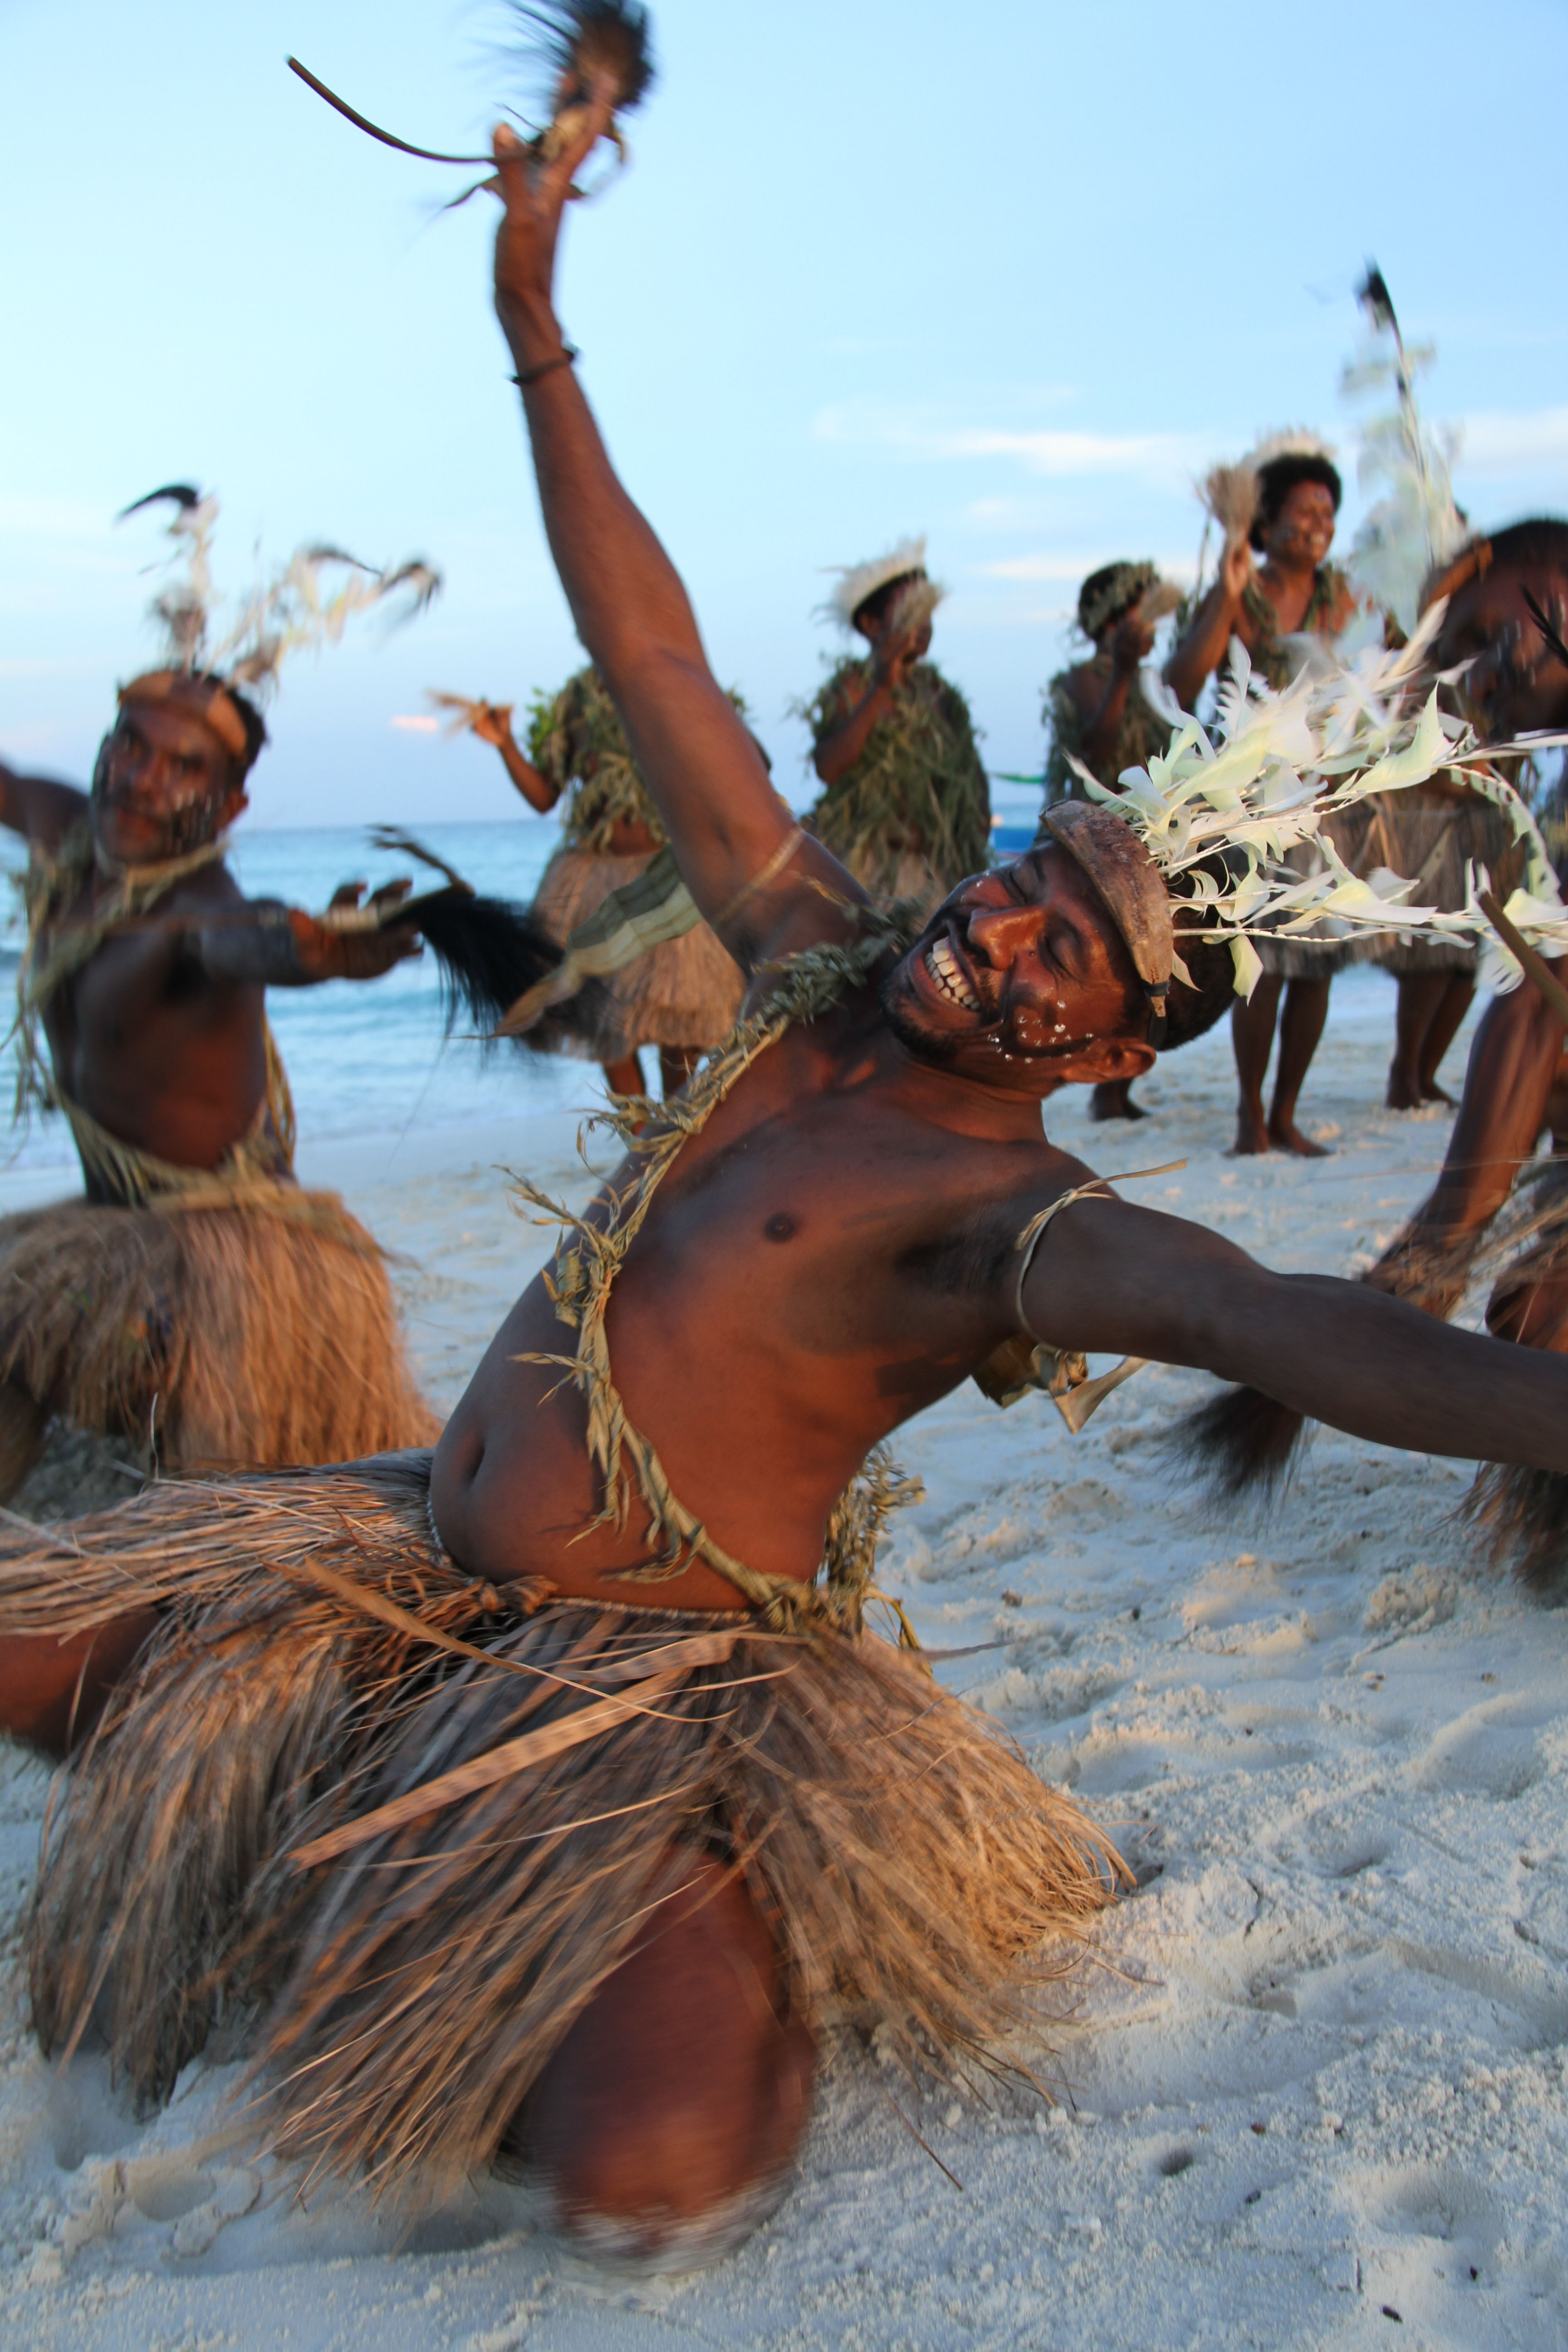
x,y
1009,274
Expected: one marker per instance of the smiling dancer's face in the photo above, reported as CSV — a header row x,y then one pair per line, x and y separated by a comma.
x,y
1022,981
1302,531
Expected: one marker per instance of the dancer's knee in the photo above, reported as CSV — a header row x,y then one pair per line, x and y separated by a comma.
x,y
667,2119
52,1692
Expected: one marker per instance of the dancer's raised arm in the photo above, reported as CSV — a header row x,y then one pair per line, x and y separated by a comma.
x,y
729,828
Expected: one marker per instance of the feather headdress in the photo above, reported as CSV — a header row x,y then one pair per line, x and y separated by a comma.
x,y
307,604
1218,812
859,581
1415,528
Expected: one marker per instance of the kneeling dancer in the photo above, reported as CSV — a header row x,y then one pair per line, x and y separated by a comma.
x,y
195,1298
548,1794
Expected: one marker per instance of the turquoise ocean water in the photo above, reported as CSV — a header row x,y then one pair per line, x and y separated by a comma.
x,y
371,1058
368,1058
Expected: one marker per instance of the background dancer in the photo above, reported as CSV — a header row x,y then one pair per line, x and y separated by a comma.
x,y
1294,493
680,997
1516,1082
907,806
195,1298
1096,712
665,1847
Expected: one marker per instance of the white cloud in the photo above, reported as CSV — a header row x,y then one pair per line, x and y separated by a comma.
x,y
1493,441
1073,567
1060,455
415,722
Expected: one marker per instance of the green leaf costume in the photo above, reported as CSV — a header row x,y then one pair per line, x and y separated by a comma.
x,y
918,794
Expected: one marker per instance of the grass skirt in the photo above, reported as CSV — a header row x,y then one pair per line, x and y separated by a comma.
x,y
1321,955
686,993
256,1334
1432,844
536,1769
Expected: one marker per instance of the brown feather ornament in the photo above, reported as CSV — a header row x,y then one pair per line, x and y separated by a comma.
x,y
582,45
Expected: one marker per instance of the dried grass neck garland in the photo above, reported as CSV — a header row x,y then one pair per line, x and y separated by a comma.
x,y
591,1254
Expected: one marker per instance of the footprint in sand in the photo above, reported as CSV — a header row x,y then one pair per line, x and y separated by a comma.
x,y
1490,1750
196,2200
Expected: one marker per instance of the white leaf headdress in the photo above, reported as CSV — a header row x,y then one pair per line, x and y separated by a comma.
x,y
1219,811
307,604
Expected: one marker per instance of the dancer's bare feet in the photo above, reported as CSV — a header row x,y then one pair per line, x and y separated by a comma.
x,y
1431,1092
1251,1132
1403,1089
1284,1135
1114,1100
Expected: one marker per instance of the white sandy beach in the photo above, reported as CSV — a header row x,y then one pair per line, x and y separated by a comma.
x,y
1317,2094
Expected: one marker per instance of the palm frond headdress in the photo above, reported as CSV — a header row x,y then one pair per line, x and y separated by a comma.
x,y
858,582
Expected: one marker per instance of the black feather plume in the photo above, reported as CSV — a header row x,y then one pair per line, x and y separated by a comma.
x,y
185,495
1375,300
1548,629
489,952
1241,1442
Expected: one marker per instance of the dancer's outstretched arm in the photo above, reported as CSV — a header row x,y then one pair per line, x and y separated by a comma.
x,y
1109,1275
726,823
37,807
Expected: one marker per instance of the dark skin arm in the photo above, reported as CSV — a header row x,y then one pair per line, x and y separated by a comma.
x,y
282,947
1514,1061
37,807
891,662
491,722
694,751
1218,619
1111,1277
1131,642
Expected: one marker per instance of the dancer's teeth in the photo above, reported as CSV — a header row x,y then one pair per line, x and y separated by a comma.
x,y
948,973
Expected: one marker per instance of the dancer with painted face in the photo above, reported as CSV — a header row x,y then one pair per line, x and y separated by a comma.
x,y
591,1806
196,1298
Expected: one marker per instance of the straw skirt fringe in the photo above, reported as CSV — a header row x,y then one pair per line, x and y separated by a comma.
x,y
686,993
1431,844
412,1981
238,1334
